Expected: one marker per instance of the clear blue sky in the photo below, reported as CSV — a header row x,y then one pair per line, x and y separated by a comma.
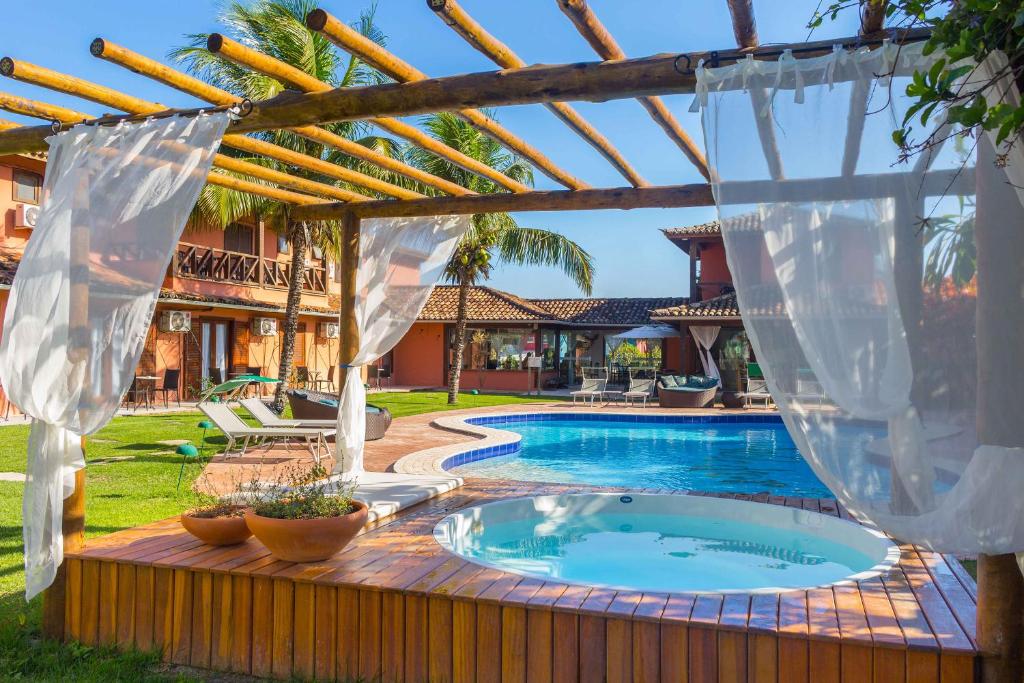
x,y
632,257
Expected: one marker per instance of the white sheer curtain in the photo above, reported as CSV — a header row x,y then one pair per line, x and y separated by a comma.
x,y
400,260
705,336
842,287
114,204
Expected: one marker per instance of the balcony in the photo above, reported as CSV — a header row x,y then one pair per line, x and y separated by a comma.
x,y
235,268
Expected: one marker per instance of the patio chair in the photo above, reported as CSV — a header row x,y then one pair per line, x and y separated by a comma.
x,y
328,383
170,383
236,430
591,387
757,386
267,418
641,388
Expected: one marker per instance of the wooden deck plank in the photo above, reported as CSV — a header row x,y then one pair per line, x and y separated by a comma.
x,y
304,638
143,607
222,626
181,624
941,619
163,609
126,605
417,637
961,603
488,643
592,652
202,620
262,653
732,657
513,645
283,630
371,634
392,617
541,640
106,630
242,617
463,641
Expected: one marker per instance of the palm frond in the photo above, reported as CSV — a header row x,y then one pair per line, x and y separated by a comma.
x,y
538,247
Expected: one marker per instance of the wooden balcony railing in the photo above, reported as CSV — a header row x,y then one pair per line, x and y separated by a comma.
x,y
232,267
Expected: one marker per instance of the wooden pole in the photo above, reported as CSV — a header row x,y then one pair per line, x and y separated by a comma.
x,y
183,82
673,196
78,87
477,36
296,78
73,528
604,44
376,56
348,345
1000,326
8,125
42,109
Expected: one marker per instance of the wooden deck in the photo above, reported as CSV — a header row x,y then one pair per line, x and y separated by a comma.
x,y
395,607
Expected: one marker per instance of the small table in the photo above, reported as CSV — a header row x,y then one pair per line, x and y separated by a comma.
x,y
144,384
609,395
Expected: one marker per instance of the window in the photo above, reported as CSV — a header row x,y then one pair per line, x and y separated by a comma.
x,y
282,245
239,238
497,349
27,186
549,348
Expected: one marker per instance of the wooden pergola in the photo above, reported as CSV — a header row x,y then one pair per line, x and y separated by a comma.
x,y
308,103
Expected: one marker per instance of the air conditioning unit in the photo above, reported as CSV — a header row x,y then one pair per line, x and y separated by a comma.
x,y
264,327
26,216
330,330
175,321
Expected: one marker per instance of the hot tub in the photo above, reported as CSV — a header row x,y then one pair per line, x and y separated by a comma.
x,y
666,543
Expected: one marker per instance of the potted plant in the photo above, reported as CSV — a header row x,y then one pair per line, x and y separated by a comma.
x,y
305,518
732,361
217,523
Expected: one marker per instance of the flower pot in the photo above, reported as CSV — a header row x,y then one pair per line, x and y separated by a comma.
x,y
307,540
217,530
733,400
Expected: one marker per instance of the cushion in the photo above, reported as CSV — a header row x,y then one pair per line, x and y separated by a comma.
x,y
701,382
668,381
333,402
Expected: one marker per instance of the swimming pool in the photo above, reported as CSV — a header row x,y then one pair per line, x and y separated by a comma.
x,y
728,453
666,543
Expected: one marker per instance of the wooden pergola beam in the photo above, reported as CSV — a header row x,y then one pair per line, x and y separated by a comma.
x,y
296,78
379,58
78,87
588,81
477,36
553,200
173,78
604,44
743,25
7,125
838,188
872,16
27,107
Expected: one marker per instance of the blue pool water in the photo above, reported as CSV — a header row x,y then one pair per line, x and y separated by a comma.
x,y
735,457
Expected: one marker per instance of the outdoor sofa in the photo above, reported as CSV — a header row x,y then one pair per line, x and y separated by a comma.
x,y
686,391
317,405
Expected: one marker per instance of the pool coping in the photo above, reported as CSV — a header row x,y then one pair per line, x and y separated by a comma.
x,y
493,442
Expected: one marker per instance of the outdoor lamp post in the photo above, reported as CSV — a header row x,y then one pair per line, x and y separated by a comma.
x,y
204,425
186,451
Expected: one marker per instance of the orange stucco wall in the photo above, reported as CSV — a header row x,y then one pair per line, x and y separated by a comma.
x,y
419,358
713,266
501,380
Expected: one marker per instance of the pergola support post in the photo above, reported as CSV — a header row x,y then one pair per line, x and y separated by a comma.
x,y
347,324
73,525
1000,269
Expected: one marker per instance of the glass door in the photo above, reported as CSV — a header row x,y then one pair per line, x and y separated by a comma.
x,y
213,345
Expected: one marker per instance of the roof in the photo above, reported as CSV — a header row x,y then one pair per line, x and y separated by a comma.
x,y
711,228
719,307
486,304
169,296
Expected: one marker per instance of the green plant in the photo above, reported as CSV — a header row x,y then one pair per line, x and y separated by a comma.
x,y
301,494
964,30
735,352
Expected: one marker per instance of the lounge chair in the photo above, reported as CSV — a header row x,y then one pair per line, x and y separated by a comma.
x,y
639,388
591,387
677,391
267,418
315,405
757,386
236,430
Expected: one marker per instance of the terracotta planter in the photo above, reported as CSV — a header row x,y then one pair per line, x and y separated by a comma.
x,y
217,530
307,540
733,400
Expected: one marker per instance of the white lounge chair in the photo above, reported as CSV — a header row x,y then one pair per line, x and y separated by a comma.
x,y
236,430
592,387
639,388
267,418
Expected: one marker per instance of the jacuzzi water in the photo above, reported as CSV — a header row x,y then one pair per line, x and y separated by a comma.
x,y
720,456
665,543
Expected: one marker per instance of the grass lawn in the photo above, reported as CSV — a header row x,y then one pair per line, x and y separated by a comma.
x,y
131,480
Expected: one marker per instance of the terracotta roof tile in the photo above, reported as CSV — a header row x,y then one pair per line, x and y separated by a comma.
x,y
703,229
723,306
623,311
9,260
484,304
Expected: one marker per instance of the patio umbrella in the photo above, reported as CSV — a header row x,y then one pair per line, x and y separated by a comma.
x,y
648,332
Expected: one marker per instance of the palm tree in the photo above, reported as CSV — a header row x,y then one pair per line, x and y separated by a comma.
x,y
493,234
278,28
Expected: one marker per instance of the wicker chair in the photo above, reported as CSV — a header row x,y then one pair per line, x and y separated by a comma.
x,y
694,392
316,405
